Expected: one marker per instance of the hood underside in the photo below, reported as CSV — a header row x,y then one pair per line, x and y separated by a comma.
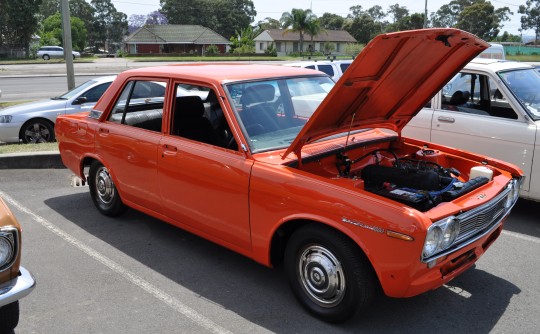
x,y
393,77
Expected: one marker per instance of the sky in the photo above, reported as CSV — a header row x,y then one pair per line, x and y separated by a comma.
x,y
274,8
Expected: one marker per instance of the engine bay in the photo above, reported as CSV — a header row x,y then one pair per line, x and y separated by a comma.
x,y
416,176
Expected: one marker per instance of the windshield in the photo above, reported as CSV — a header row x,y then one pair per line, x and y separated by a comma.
x,y
75,91
273,112
525,85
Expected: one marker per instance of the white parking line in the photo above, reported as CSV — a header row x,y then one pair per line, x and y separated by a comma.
x,y
522,236
129,276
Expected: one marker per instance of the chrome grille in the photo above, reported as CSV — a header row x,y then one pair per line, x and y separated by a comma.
x,y
481,218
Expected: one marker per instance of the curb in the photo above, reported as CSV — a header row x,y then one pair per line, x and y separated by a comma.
x,y
33,160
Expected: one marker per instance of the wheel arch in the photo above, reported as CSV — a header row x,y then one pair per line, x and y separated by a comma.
x,y
283,233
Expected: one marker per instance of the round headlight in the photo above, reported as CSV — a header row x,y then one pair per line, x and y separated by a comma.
x,y
450,233
433,238
6,251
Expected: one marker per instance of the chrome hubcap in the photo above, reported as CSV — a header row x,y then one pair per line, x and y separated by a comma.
x,y
104,186
321,276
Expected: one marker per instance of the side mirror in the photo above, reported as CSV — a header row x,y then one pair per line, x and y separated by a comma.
x,y
80,100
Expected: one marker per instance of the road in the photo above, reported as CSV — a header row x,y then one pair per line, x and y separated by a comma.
x,y
36,88
135,274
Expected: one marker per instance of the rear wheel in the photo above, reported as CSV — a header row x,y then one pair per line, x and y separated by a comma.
x,y
46,57
9,317
328,273
37,131
103,191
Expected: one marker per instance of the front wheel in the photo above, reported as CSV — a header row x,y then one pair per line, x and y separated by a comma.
x,y
329,275
46,57
9,317
103,191
37,131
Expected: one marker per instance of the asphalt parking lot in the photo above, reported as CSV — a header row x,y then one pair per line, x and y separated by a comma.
x,y
135,274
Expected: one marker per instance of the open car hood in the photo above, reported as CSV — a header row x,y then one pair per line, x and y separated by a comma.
x,y
393,77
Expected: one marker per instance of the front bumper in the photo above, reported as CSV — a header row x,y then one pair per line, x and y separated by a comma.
x,y
9,132
17,288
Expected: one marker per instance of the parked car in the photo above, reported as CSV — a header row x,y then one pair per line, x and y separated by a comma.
x,y
495,51
15,281
48,52
491,107
331,190
34,122
334,69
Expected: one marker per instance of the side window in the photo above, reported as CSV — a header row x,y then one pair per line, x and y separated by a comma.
x,y
140,105
93,95
198,115
475,94
328,69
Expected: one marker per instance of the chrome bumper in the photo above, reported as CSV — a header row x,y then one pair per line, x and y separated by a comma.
x,y
17,288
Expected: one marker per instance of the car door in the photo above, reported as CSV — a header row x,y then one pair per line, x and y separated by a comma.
x,y
203,181
128,141
477,113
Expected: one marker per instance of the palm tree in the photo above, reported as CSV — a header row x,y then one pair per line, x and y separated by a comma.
x,y
313,29
297,21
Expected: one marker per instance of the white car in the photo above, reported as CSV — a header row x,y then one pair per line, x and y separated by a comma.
x,y
334,69
48,52
34,122
491,107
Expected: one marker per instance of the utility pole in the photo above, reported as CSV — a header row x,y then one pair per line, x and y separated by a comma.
x,y
425,16
68,49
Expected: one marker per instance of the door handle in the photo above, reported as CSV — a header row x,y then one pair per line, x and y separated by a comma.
x,y
446,119
168,150
102,130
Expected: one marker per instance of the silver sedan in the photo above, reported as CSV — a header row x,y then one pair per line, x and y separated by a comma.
x,y
34,122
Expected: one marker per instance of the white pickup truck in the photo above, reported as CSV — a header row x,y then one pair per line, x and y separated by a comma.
x,y
491,107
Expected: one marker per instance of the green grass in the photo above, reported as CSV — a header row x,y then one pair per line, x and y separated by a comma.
x,y
21,148
9,104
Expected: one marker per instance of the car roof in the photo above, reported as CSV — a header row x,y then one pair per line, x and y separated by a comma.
x,y
219,73
495,65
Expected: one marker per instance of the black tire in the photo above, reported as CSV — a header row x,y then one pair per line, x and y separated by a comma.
x,y
9,317
37,131
329,275
103,191
46,57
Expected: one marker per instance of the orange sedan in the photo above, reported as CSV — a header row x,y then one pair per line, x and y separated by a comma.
x,y
285,166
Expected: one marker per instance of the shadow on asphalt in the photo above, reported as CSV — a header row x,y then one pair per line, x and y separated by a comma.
x,y
520,220
474,303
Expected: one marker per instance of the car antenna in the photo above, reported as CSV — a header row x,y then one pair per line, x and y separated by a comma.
x,y
342,159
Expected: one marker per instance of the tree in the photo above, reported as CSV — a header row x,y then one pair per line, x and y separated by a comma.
x,y
52,28
482,19
448,15
531,17
109,26
18,22
398,12
268,23
77,8
298,21
223,16
331,21
363,28
243,42
313,28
